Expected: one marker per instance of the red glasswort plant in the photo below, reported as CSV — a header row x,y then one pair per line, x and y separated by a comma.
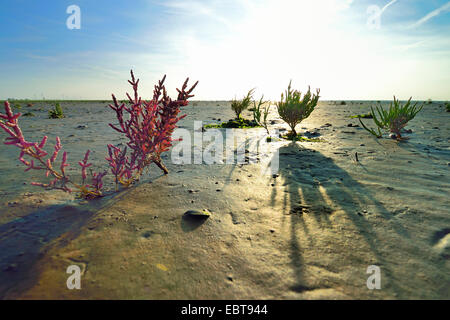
x,y
39,160
148,127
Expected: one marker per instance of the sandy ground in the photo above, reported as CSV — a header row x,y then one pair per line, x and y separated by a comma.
x,y
308,232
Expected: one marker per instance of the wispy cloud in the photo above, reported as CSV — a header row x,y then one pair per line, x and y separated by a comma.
x,y
388,5
197,8
430,15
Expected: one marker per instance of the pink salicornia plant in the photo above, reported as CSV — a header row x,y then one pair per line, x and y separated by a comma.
x,y
148,128
38,159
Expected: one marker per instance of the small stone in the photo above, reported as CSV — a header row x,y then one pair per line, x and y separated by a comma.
x,y
203,213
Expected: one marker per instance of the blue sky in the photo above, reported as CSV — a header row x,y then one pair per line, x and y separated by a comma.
x,y
230,46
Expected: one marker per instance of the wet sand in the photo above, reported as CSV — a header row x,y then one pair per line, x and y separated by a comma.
x,y
308,232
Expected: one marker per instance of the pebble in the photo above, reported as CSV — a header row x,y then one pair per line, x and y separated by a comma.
x,y
203,213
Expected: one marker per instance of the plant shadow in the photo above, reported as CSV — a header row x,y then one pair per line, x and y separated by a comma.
x,y
25,240
308,180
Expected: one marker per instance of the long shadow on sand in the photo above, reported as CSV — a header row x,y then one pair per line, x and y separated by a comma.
x,y
305,175
24,240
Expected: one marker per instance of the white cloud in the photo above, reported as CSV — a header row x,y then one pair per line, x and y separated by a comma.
x,y
432,14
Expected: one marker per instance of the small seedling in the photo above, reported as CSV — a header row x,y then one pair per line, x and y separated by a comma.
x,y
394,119
240,105
56,113
257,113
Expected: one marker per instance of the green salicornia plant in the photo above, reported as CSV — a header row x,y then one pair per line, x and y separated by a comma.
x,y
240,105
394,119
258,112
56,113
293,109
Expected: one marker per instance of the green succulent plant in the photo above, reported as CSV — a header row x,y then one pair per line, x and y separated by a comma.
x,y
240,105
56,113
258,112
394,119
293,108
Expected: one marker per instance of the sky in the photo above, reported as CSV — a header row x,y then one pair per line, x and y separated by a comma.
x,y
350,49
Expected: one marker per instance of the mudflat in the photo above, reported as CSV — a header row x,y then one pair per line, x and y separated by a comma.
x,y
309,230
